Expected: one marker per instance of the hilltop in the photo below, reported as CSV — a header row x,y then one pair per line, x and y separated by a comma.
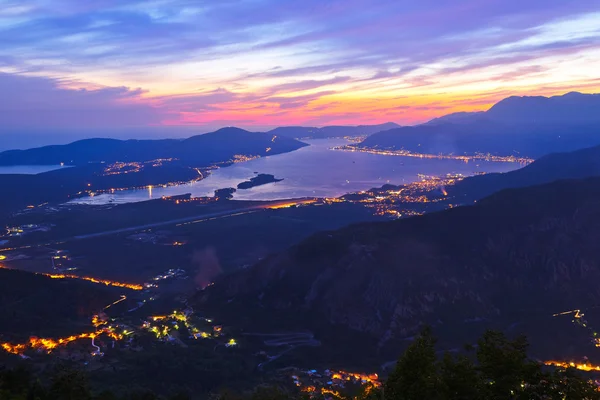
x,y
200,150
565,109
524,126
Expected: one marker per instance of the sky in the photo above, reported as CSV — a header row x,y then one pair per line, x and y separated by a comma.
x,y
116,64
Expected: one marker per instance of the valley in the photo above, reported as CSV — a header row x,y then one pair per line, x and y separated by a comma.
x,y
258,265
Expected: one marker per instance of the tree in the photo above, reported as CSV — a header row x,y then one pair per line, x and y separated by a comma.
x,y
69,384
16,380
415,376
504,366
569,384
459,379
36,391
370,392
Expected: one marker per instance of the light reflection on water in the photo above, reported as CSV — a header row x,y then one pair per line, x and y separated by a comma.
x,y
29,169
314,171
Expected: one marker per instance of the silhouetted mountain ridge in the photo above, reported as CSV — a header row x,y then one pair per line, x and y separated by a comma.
x,y
304,132
199,150
565,109
527,126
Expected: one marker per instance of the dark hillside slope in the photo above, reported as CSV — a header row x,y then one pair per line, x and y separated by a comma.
x,y
572,165
517,254
38,305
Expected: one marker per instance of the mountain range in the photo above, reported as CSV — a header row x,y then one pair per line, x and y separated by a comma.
x,y
519,254
525,250
200,150
513,257
526,126
565,109
303,132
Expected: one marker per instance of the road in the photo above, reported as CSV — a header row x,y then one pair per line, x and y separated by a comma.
x,y
97,347
287,339
201,218
290,341
180,221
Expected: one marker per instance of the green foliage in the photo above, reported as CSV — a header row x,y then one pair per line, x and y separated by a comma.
x,y
504,366
499,370
416,376
502,371
369,392
69,384
572,385
459,378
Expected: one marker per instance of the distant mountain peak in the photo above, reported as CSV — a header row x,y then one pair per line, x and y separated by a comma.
x,y
569,108
573,94
231,129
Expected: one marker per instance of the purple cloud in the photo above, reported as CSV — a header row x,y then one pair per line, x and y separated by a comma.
x,y
35,102
307,84
298,101
257,54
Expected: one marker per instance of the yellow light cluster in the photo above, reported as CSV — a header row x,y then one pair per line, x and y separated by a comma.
x,y
132,286
406,153
579,366
50,344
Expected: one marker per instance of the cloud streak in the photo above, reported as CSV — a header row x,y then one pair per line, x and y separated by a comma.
x,y
37,102
272,62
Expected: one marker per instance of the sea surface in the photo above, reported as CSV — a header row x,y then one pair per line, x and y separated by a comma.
x,y
28,169
313,171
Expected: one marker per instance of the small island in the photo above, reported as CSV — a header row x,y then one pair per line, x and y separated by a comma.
x,y
224,194
260,179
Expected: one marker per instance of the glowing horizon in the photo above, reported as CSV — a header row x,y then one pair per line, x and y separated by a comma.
x,y
251,63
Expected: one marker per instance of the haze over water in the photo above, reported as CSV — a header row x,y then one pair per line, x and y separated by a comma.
x,y
29,169
313,171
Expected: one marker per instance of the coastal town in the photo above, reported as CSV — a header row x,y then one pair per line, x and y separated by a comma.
x,y
465,158
120,329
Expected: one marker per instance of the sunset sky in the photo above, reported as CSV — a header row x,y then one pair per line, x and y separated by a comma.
x,y
260,63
